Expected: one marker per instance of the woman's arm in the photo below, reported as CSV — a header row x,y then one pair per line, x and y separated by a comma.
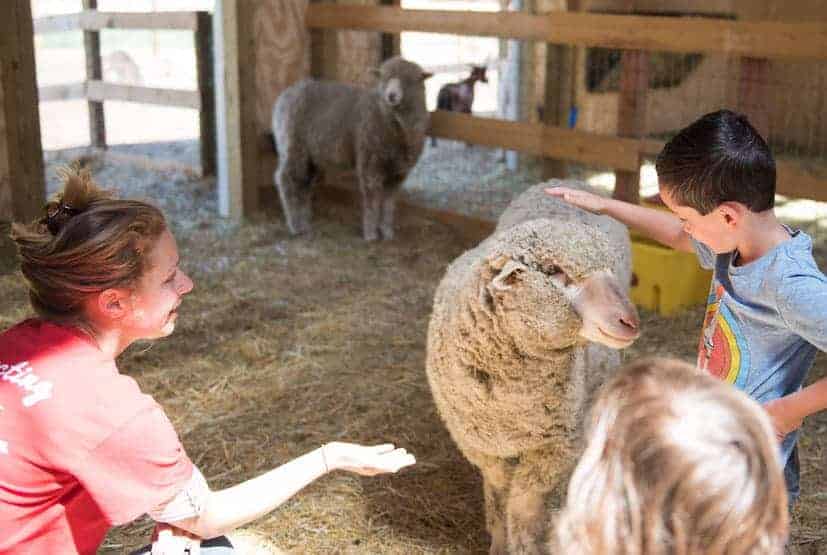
x,y
230,508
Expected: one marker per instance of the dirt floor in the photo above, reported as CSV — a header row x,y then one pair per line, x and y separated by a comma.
x,y
287,343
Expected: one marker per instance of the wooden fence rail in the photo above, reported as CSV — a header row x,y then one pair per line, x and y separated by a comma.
x,y
764,39
775,40
96,91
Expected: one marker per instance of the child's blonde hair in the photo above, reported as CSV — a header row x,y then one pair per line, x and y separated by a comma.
x,y
676,463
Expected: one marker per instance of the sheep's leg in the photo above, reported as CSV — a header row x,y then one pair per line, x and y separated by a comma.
x,y
527,518
495,489
496,474
388,210
371,213
535,487
293,179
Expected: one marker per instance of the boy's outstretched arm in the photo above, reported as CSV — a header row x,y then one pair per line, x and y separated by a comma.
x,y
663,227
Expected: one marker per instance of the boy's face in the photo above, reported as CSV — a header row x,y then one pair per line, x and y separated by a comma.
x,y
716,230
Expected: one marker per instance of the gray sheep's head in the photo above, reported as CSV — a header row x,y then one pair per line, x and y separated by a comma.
x,y
402,84
550,284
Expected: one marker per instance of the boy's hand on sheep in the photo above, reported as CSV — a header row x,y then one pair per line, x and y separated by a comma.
x,y
366,460
582,199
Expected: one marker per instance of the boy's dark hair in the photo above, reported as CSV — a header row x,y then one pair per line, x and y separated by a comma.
x,y
719,158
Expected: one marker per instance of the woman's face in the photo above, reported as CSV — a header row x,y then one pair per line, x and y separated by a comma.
x,y
155,300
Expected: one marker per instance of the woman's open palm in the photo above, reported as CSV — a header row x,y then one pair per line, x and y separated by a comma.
x,y
366,460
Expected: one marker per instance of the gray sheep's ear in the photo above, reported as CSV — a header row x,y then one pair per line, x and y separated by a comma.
x,y
508,276
426,75
375,72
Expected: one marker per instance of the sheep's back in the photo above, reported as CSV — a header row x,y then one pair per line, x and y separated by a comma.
x,y
535,203
320,117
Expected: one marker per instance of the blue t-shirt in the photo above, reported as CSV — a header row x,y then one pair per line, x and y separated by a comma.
x,y
764,323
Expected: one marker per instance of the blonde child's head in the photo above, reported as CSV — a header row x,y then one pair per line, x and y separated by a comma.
x,y
676,463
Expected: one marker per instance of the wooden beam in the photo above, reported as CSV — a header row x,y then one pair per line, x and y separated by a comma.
x,y
631,116
753,93
235,109
100,91
71,91
97,21
766,39
94,72
541,140
206,90
22,183
794,181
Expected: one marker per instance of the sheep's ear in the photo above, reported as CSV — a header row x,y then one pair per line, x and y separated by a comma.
x,y
427,75
508,276
375,72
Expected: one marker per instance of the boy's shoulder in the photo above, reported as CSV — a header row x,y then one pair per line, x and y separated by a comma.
x,y
794,258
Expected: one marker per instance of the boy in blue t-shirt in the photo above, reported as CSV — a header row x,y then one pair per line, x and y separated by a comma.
x,y
767,310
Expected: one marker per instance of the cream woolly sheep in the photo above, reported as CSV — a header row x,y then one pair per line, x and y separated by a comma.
x,y
380,133
523,330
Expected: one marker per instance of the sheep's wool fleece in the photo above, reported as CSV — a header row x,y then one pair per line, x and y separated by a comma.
x,y
505,394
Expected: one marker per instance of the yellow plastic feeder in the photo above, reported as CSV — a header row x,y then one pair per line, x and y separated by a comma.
x,y
666,280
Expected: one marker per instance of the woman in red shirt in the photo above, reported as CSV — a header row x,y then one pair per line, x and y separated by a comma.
x,y
81,448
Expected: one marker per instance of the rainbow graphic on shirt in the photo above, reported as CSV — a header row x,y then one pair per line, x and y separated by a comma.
x,y
723,351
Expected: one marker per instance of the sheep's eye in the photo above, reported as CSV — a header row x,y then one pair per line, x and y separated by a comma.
x,y
558,276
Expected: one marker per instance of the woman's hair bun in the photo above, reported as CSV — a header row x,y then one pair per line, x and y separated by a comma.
x,y
78,193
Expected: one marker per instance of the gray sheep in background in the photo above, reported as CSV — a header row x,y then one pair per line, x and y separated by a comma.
x,y
380,133
524,330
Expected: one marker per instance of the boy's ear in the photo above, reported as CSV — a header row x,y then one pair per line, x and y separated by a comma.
x,y
733,212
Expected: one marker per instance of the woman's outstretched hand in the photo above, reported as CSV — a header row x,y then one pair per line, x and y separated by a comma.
x,y
366,460
582,199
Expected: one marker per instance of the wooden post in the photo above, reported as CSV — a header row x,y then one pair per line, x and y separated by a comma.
x,y
94,72
631,116
206,90
235,109
559,93
22,184
391,42
324,51
753,93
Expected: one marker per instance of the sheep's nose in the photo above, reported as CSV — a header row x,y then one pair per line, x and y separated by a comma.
x,y
393,98
630,322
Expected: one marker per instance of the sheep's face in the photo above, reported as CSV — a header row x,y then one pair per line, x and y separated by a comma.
x,y
535,314
553,285
402,84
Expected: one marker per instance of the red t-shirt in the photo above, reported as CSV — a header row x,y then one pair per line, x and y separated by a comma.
x,y
81,448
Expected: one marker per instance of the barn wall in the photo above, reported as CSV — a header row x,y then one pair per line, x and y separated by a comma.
x,y
282,57
797,107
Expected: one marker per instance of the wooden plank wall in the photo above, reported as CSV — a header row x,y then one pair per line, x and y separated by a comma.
x,y
282,57
22,185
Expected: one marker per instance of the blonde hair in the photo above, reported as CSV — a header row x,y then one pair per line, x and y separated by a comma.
x,y
86,241
676,463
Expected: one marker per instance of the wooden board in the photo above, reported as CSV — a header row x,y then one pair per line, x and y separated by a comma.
x,y
92,20
101,90
541,140
235,109
94,72
685,34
